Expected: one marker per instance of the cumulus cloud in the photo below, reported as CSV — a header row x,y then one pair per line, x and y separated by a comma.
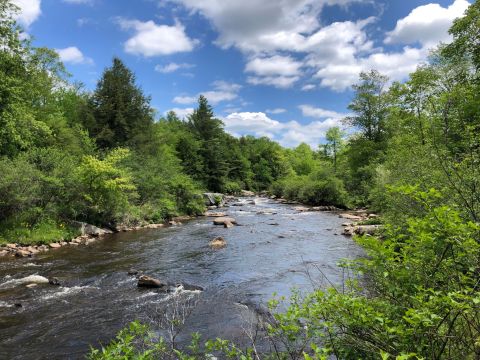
x,y
73,55
427,24
151,39
310,111
222,91
289,134
30,10
283,40
172,67
279,71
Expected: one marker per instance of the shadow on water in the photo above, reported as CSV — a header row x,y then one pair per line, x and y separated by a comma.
x,y
269,253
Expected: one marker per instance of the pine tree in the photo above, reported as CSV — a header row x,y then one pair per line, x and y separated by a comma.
x,y
209,131
122,113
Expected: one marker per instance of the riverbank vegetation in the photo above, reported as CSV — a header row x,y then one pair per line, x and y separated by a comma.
x,y
105,157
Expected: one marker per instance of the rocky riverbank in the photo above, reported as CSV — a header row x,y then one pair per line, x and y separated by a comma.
x,y
89,234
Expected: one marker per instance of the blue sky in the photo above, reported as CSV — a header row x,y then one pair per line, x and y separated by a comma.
x,y
277,68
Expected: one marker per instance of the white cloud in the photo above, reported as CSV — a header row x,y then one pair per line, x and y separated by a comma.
x,y
258,26
335,53
73,55
282,82
151,39
182,113
287,133
427,24
278,71
172,67
275,111
274,65
310,111
30,10
222,91
308,87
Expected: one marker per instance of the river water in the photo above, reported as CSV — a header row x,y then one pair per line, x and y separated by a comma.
x,y
266,254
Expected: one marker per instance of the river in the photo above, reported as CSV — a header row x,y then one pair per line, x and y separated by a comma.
x,y
266,254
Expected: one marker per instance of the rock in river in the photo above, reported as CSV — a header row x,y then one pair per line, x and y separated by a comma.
x,y
224,221
218,243
150,282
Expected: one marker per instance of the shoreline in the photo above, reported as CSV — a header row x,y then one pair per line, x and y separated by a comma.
x,y
17,250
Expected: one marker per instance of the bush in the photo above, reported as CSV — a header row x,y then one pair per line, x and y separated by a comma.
x,y
232,188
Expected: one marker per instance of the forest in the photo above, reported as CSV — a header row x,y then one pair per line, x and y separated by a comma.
x,y
411,154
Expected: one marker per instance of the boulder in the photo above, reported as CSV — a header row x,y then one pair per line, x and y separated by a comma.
x,y
150,282
190,287
218,243
11,246
88,229
54,281
350,230
154,226
247,193
214,199
350,217
54,245
215,214
223,220
266,212
324,208
33,250
366,229
301,208
4,252
22,253
227,225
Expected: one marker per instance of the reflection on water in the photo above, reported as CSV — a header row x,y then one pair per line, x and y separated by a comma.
x,y
268,253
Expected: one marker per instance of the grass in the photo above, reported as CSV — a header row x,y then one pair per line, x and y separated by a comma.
x,y
45,232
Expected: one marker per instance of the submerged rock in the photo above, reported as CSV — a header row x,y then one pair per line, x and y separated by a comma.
x,y
54,281
218,243
150,282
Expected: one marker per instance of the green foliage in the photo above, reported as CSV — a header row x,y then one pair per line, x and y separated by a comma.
x,y
321,187
106,186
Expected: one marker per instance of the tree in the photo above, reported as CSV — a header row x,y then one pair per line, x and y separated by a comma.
x,y
334,142
209,131
369,105
122,113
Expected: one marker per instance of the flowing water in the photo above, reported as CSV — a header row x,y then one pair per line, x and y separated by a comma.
x,y
266,254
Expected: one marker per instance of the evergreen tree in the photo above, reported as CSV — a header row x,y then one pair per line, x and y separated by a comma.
x,y
209,131
122,113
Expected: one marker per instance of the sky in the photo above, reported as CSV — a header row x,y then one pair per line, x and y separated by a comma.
x,y
276,68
